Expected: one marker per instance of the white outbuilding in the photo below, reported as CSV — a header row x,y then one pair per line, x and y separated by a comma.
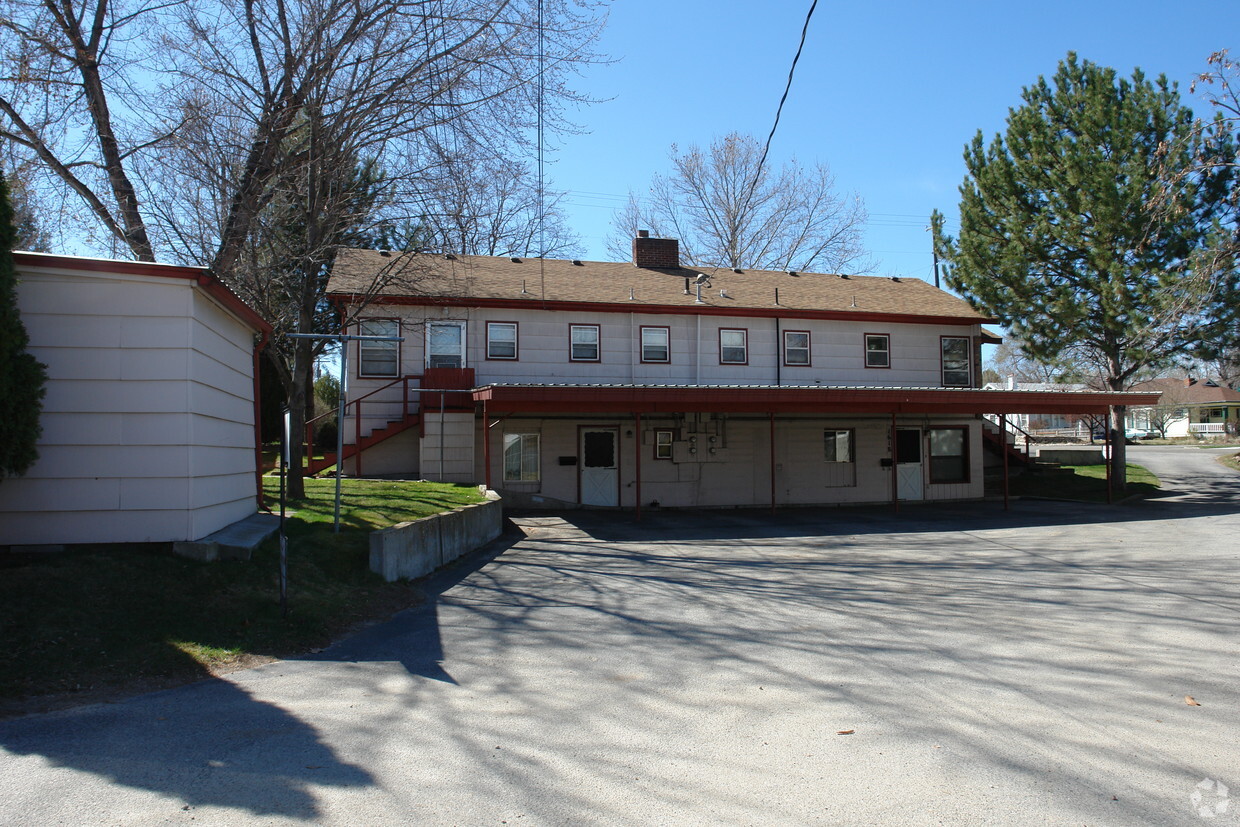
x,y
151,413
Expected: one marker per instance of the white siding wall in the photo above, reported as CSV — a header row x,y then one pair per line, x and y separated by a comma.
x,y
837,350
148,418
740,471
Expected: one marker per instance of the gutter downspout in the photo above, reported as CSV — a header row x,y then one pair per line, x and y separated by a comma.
x,y
779,355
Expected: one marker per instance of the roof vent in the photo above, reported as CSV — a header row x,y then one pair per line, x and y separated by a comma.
x,y
843,275
385,253
737,270
577,263
449,256
793,273
515,260
896,279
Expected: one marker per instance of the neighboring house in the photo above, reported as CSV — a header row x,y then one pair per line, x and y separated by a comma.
x,y
149,417
630,384
1033,423
1187,407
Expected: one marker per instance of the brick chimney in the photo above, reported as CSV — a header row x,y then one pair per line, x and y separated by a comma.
x,y
661,253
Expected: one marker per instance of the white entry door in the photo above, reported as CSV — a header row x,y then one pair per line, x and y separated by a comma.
x,y
908,464
600,467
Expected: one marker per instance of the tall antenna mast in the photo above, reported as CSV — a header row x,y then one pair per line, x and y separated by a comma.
x,y
542,198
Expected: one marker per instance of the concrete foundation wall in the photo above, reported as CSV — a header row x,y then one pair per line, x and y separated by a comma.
x,y
447,447
417,548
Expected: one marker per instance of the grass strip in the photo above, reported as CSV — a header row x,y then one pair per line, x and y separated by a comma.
x,y
116,616
1087,483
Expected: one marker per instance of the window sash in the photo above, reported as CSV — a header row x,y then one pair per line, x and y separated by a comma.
x,y
663,444
877,351
796,347
501,340
949,455
521,457
957,364
583,343
445,345
838,445
655,346
378,358
733,347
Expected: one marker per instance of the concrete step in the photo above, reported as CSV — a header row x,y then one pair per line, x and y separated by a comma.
x,y
234,542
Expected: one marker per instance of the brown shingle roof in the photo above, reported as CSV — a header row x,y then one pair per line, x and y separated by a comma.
x,y
428,275
1189,391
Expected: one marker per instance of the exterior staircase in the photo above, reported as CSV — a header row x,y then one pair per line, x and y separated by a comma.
x,y
999,442
431,389
394,427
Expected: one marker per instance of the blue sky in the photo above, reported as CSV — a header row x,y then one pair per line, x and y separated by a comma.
x,y
887,94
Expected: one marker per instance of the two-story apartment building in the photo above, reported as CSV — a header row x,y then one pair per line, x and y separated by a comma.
x,y
639,383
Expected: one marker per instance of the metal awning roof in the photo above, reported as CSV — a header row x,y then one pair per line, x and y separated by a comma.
x,y
811,399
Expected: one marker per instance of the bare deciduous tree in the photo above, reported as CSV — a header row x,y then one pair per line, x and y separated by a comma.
x,y
491,207
246,121
727,210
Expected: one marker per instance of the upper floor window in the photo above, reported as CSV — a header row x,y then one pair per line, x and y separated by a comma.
x,y
733,346
656,345
501,340
796,348
445,345
583,343
957,366
377,358
877,350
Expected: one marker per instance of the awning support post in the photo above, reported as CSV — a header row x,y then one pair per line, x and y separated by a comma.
x,y
1004,449
895,461
486,444
637,452
772,417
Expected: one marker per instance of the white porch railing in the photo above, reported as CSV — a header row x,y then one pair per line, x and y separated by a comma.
x,y
1202,428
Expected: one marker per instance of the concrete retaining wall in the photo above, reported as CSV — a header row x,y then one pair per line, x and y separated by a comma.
x,y
1072,456
416,548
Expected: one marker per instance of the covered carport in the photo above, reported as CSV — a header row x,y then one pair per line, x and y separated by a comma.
x,y
498,401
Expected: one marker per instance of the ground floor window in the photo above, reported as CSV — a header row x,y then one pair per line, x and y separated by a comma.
x,y
949,455
521,457
838,445
663,444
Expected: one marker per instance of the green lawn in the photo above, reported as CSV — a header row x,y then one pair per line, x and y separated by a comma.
x,y
1079,482
108,617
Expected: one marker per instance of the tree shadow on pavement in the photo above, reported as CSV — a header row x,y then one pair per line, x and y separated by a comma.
x,y
209,744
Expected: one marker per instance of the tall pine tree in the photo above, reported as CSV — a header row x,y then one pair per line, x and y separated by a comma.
x,y
21,376
1070,237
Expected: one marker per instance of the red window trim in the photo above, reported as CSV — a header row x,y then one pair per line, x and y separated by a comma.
x,y
865,351
943,368
641,344
399,354
744,330
516,342
598,330
809,350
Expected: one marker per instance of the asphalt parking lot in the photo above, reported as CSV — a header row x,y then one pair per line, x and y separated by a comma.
x,y
990,667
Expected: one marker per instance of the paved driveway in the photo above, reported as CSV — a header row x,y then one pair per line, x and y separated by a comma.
x,y
1028,667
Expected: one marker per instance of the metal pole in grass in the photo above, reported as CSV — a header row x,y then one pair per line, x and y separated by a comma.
x,y
343,340
284,461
